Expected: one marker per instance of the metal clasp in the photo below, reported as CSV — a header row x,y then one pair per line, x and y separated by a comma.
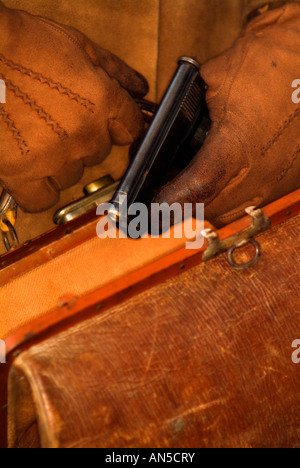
x,y
215,247
97,192
8,215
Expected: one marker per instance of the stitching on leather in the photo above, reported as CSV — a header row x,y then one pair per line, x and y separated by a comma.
x,y
290,164
232,214
245,50
280,132
36,108
65,31
60,30
89,105
15,132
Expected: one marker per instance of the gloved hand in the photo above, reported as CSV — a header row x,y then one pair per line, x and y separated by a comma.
x,y
252,153
67,102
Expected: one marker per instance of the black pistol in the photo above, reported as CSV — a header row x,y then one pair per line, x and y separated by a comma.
x,y
175,135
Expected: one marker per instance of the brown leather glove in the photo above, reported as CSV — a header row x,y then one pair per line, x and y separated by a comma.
x,y
67,102
252,153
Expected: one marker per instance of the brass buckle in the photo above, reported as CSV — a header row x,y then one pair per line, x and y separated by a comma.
x,y
97,192
9,235
5,202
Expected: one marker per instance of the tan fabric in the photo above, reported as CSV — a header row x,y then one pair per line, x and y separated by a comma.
x,y
82,270
201,29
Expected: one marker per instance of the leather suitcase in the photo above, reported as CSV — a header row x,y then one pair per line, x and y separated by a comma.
x,y
164,350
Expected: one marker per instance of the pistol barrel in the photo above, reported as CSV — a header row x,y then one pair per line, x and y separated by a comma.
x,y
177,118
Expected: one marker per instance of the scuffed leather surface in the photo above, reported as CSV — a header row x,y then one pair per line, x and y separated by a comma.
x,y
203,360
